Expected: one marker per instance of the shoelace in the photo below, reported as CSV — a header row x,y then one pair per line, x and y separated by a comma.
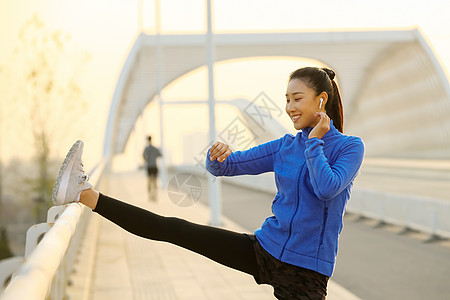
x,y
83,178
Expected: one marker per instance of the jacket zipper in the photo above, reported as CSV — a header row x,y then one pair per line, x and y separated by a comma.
x,y
295,212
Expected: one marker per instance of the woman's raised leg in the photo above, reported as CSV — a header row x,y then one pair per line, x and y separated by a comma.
x,y
226,247
229,248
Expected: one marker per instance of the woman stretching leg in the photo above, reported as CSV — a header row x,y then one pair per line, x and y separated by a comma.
x,y
295,249
229,248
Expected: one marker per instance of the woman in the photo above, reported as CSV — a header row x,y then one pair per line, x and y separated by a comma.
x,y
295,249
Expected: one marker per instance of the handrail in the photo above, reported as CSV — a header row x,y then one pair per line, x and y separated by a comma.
x,y
49,260
425,214
34,277
422,164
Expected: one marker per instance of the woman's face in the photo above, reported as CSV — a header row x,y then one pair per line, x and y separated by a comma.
x,y
302,104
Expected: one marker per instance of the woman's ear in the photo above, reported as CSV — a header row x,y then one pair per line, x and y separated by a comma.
x,y
323,98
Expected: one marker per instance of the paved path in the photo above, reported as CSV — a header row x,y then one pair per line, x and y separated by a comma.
x,y
129,267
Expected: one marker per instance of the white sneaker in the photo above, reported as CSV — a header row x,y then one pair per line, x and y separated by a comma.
x,y
71,180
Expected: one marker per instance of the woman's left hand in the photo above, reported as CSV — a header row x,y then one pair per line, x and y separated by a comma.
x,y
322,127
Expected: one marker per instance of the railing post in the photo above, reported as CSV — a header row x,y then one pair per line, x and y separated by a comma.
x,y
54,212
382,218
8,267
434,224
34,235
45,270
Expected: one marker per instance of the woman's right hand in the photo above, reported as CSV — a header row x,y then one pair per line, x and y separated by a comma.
x,y
219,151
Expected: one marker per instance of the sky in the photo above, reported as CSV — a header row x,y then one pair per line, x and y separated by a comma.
x,y
106,29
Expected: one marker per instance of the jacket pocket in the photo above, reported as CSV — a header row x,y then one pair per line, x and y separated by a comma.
x,y
324,223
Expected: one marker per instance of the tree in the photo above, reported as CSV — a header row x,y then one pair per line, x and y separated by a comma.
x,y
49,88
5,252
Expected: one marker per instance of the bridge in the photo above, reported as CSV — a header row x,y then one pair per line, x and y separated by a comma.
x,y
397,98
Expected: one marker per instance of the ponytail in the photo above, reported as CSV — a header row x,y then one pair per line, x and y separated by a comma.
x,y
334,108
322,80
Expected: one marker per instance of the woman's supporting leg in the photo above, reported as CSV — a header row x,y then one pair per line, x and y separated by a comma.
x,y
226,247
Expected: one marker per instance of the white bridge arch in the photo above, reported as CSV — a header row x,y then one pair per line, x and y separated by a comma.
x,y
396,94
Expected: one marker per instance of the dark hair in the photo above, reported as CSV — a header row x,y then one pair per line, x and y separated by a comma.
x,y
322,80
149,138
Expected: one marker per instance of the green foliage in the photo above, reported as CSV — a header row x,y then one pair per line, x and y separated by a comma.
x,y
5,252
51,91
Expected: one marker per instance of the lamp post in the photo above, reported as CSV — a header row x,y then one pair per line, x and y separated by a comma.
x,y
214,183
1,164
160,82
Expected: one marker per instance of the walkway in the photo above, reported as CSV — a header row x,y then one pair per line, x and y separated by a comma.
x,y
129,267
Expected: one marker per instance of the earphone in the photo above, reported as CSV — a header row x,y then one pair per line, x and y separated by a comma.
x,y
321,101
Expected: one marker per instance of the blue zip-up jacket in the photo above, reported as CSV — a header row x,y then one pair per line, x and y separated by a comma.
x,y
314,179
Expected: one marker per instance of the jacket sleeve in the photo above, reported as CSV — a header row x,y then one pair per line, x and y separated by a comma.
x,y
254,161
330,180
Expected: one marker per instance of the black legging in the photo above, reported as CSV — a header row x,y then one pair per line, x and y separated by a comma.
x,y
226,247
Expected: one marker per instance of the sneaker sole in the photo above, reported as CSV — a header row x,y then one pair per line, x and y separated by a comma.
x,y
62,182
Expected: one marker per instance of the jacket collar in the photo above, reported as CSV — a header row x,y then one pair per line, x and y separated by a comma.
x,y
307,130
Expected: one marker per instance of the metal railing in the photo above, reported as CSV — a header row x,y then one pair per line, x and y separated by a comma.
x,y
425,214
50,253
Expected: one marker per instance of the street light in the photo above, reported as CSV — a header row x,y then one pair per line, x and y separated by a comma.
x,y
214,185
